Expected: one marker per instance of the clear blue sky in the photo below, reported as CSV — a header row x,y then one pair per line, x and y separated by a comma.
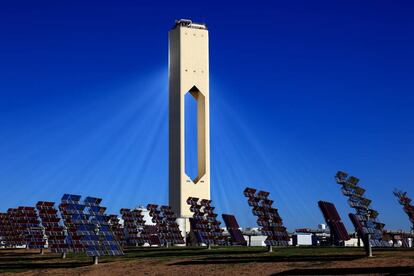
x,y
299,90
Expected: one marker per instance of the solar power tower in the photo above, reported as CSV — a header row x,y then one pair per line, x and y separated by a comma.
x,y
365,218
268,218
408,208
204,223
167,230
188,75
55,232
87,227
134,223
233,228
333,220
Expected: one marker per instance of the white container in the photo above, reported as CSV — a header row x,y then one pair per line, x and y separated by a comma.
x,y
302,239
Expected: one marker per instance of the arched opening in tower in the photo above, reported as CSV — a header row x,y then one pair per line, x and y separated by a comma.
x,y
191,145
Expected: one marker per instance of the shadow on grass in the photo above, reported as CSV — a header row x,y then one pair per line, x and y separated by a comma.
x,y
18,254
396,270
18,258
191,252
269,259
30,266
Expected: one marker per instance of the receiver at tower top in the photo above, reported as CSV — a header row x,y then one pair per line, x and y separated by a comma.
x,y
189,24
188,73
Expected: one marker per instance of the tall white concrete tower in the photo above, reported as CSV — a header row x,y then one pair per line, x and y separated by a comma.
x,y
188,73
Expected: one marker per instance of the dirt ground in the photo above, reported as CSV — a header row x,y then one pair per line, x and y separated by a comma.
x,y
218,261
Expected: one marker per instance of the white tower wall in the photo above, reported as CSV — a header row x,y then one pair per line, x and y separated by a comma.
x,y
188,73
